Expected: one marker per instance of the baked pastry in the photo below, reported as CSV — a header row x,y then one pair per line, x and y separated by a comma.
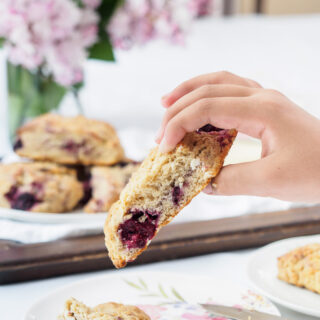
x,y
39,187
77,140
301,267
162,186
75,310
107,183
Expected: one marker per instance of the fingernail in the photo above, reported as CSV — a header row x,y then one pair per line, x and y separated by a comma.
x,y
208,189
164,102
165,96
164,147
158,135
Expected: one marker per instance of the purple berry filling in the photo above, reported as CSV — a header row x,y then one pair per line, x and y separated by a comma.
x,y
87,193
177,194
72,146
11,194
223,136
141,227
209,128
23,201
18,145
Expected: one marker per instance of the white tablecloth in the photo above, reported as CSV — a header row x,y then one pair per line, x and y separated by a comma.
x,y
279,52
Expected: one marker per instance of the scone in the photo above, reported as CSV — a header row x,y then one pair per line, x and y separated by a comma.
x,y
107,183
161,187
39,187
301,267
75,310
64,140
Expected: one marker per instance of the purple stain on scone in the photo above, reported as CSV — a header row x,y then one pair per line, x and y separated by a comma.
x,y
139,229
11,194
21,201
209,128
223,136
177,194
72,146
18,145
24,201
87,193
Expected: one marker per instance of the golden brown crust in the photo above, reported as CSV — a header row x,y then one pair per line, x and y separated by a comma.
x,y
191,166
76,310
301,267
65,140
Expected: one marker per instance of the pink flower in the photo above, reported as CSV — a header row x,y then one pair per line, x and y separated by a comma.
x,y
92,3
139,21
53,34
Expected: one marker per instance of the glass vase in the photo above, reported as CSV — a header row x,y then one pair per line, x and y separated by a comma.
x,y
30,94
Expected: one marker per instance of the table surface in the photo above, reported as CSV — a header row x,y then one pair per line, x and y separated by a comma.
x,y
279,52
15,299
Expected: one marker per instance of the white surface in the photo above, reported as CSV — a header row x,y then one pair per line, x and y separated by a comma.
x,y
262,271
194,290
279,52
16,299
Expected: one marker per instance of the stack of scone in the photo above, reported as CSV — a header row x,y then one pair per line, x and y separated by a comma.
x,y
75,162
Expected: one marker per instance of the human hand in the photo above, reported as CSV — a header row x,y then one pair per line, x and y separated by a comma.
x,y
289,168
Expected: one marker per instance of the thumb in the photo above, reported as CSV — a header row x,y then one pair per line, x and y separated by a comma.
x,y
249,178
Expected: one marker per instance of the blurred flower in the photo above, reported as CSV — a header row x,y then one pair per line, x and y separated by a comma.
x,y
201,8
139,21
53,34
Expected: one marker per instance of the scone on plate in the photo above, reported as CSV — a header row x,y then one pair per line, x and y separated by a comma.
x,y
64,140
107,183
39,187
76,310
301,267
162,186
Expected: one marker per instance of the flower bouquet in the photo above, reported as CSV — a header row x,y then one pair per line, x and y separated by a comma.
x,y
47,42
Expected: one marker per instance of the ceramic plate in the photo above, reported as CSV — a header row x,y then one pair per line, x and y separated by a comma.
x,y
27,216
262,271
160,295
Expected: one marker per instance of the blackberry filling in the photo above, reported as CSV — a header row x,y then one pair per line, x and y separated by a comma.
x,y
209,128
177,194
87,193
141,227
18,145
72,146
25,201
11,194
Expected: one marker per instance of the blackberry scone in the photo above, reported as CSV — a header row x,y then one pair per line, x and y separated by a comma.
x,y
301,267
39,187
162,186
64,140
107,183
76,310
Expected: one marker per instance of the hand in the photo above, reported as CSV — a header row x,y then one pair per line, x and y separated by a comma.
x,y
289,168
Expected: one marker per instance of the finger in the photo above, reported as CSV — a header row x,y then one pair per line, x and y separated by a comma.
x,y
222,77
206,91
247,178
239,113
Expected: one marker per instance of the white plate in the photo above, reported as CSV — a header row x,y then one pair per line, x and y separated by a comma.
x,y
27,216
154,292
262,272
